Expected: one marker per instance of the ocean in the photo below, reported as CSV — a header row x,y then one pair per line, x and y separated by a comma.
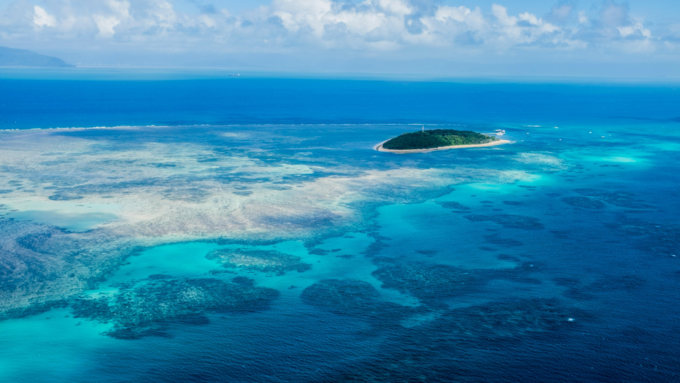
x,y
208,228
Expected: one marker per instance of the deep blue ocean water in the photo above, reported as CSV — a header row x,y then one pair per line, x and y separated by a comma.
x,y
32,103
280,247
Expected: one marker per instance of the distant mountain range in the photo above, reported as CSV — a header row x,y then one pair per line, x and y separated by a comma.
x,y
21,57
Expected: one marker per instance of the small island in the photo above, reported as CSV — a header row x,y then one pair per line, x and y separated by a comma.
x,y
437,139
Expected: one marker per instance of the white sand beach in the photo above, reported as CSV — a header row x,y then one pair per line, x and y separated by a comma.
x,y
380,148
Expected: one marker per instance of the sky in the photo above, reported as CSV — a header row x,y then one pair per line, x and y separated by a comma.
x,y
587,38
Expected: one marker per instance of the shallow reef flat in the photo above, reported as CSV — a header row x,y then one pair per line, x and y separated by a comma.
x,y
243,253
156,185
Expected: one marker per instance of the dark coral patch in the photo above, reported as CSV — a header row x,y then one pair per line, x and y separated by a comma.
x,y
351,297
427,282
148,307
509,221
319,252
603,285
259,260
620,199
509,319
429,253
657,239
452,205
438,350
584,202
64,197
503,242
616,283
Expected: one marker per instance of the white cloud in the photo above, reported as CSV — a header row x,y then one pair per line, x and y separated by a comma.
x,y
43,19
394,7
453,13
365,27
638,28
106,25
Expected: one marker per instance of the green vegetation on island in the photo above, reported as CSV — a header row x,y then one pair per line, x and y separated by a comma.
x,y
436,138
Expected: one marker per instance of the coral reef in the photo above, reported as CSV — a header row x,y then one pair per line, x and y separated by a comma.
x,y
146,308
509,221
584,202
259,260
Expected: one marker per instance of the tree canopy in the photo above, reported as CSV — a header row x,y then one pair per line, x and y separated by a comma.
x,y
436,138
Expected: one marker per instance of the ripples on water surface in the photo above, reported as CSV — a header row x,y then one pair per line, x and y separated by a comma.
x,y
294,252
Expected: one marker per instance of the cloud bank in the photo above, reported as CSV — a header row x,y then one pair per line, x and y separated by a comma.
x,y
386,28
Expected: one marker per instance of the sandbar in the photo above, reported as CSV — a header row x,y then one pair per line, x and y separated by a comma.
x,y
380,148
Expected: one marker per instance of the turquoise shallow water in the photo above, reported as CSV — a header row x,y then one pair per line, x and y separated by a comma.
x,y
184,260
294,252
46,347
